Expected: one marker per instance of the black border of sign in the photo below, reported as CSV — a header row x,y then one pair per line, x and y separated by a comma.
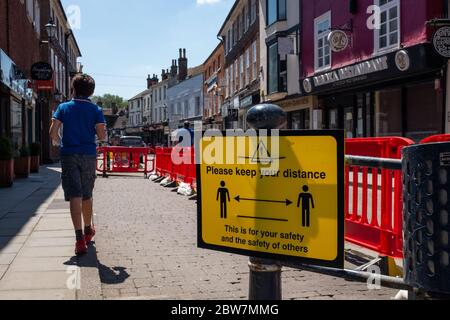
x,y
338,135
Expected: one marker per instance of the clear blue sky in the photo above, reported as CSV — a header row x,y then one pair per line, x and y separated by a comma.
x,y
123,41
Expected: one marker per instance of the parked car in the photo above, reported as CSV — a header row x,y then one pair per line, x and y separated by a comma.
x,y
131,142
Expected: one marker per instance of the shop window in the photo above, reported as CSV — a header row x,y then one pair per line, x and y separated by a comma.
x,y
424,111
387,36
388,113
322,51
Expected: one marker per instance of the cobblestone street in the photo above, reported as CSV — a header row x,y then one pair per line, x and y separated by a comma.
x,y
146,242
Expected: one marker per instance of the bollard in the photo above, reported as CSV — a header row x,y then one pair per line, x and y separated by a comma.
x,y
426,174
265,275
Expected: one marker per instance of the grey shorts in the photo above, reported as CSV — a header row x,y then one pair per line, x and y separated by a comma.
x,y
78,176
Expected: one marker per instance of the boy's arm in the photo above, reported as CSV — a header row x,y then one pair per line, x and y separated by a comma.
x,y
101,131
54,130
100,127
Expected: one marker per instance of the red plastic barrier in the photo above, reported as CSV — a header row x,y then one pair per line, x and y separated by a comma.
x,y
436,139
112,160
375,220
182,171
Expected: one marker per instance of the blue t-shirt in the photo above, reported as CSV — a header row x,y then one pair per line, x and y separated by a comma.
x,y
79,118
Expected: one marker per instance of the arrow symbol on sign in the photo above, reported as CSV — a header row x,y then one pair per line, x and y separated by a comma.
x,y
287,202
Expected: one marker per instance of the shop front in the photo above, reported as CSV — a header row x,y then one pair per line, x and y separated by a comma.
x,y
398,94
245,104
17,104
299,112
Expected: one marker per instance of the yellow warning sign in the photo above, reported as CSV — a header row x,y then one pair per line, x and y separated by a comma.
x,y
278,197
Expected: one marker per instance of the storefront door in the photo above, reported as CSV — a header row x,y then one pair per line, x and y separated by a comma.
x,y
300,120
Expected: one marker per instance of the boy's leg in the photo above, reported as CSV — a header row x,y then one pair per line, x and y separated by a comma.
x,y
71,182
88,176
88,211
75,211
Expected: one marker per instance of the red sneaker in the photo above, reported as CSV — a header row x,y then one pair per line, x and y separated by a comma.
x,y
80,248
88,237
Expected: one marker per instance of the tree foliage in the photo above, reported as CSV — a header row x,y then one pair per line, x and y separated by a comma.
x,y
109,100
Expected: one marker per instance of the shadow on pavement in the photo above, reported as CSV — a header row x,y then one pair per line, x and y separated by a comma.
x,y
18,204
108,275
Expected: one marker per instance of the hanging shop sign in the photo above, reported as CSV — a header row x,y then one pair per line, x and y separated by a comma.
x,y
41,71
338,40
441,41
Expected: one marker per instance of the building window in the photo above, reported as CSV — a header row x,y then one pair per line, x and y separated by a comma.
x,y
241,72
236,74
226,83
322,52
232,79
186,109
230,41
253,10
197,106
247,66
272,68
246,18
277,70
388,35
218,63
255,61
276,11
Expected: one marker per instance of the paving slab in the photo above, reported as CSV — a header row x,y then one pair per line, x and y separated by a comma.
x,y
34,280
39,252
38,295
56,224
27,264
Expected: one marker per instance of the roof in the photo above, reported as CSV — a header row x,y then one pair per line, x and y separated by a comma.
x,y
192,72
140,95
228,16
120,122
219,45
67,20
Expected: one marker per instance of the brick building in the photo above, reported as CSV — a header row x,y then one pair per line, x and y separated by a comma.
x,y
214,88
240,34
20,32
25,111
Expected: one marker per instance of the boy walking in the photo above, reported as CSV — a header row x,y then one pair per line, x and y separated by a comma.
x,y
81,121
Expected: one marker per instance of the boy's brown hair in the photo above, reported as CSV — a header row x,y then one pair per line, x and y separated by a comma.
x,y
83,85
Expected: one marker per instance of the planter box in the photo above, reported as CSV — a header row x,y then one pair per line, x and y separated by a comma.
x,y
6,173
22,167
35,164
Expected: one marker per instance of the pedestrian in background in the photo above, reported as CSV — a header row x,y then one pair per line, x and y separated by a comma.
x,y
81,121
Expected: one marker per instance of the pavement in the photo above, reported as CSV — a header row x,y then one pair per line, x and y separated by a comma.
x,y
37,244
145,249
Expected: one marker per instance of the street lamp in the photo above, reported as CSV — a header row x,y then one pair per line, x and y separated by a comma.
x,y
50,27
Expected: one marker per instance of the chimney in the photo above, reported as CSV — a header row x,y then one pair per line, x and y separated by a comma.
x,y
149,82
164,75
174,69
183,65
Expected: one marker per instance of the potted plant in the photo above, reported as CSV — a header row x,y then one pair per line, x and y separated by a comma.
x,y
35,153
6,163
22,163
